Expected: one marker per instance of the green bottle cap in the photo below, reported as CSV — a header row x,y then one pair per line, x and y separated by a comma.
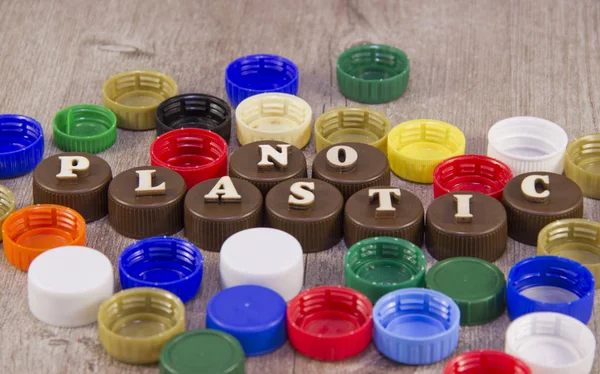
x,y
477,286
202,351
85,128
383,264
372,73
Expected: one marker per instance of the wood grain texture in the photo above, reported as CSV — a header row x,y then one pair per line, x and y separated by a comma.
x,y
473,63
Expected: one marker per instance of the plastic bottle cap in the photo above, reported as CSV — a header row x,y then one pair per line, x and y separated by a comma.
x,y
202,351
37,228
209,221
488,362
274,116
576,239
528,144
264,257
352,124
466,224
135,324
66,285
172,264
551,343
21,144
554,197
134,96
416,326
370,168
254,315
550,284
383,264
244,163
194,110
316,220
372,73
85,128
369,216
76,180
478,287
471,173
416,147
196,154
255,74
140,200
581,164
330,323
8,204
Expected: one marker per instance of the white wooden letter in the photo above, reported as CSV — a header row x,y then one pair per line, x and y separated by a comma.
x,y
529,191
463,208
145,187
301,196
385,196
224,191
69,164
269,156
342,157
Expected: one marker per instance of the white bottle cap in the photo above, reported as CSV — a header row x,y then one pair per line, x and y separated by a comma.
x,y
528,144
551,343
66,285
263,256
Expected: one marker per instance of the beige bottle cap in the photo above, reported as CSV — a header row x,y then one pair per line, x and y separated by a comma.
x,y
274,116
7,205
134,325
352,124
577,239
582,166
134,96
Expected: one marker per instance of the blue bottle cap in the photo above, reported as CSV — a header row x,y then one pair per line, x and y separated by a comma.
x,y
550,284
254,315
165,262
21,145
416,326
255,74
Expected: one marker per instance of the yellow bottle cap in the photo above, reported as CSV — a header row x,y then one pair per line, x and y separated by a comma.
x,y
134,325
274,116
577,239
134,96
8,205
582,166
416,147
352,124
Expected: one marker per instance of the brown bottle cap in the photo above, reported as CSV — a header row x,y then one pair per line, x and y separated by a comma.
x,y
383,211
218,208
264,164
351,167
467,224
533,200
146,201
75,180
308,209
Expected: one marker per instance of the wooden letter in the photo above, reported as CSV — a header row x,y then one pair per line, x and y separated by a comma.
x,y
342,158
463,208
529,191
224,191
145,187
301,196
69,164
269,156
384,195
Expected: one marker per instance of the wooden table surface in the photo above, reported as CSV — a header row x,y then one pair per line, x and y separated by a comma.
x,y
473,63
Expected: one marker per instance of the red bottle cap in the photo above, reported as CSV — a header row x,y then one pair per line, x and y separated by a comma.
x,y
472,173
330,322
488,362
196,154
